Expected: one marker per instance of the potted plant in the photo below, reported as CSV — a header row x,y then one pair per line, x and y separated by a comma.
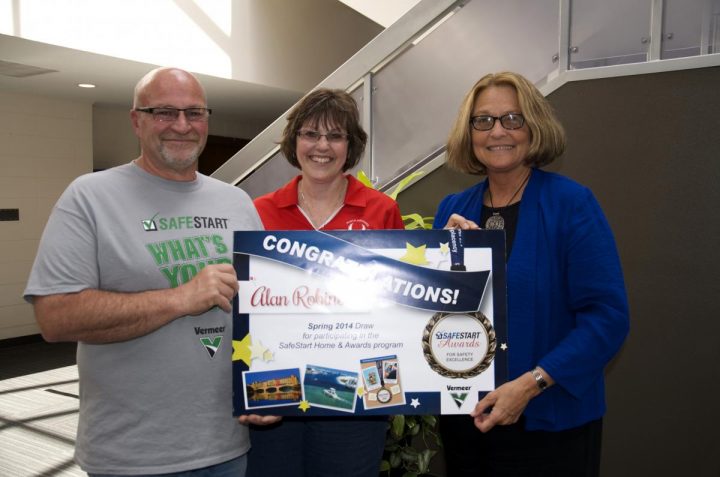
x,y
412,221
412,442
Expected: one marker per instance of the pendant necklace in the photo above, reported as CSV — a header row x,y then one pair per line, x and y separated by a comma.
x,y
496,221
312,213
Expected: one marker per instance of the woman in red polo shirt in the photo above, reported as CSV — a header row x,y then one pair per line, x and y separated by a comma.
x,y
323,138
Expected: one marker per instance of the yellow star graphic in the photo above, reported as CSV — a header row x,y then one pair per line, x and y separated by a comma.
x,y
268,356
257,350
444,248
414,255
304,406
360,391
241,350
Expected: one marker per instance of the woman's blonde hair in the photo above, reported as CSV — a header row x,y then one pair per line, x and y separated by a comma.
x,y
547,136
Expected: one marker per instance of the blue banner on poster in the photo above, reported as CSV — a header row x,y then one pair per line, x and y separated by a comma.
x,y
403,282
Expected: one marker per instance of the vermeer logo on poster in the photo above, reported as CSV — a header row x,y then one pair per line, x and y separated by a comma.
x,y
459,398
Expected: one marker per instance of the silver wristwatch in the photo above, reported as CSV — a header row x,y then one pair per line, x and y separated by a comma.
x,y
539,379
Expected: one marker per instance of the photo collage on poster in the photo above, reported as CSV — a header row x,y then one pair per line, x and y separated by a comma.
x,y
378,384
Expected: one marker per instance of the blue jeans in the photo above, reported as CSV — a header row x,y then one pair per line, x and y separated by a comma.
x,y
232,468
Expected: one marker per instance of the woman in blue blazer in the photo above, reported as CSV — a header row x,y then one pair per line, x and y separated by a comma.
x,y
567,307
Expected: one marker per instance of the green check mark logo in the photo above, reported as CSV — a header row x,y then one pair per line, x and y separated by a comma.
x,y
149,225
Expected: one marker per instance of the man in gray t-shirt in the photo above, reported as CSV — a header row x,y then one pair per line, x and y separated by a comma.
x,y
136,265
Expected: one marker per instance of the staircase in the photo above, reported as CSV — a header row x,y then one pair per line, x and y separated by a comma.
x,y
410,79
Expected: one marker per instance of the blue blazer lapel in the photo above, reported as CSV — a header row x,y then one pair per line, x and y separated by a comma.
x,y
522,276
475,203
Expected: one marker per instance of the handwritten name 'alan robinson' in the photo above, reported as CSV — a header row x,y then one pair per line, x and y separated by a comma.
x,y
302,296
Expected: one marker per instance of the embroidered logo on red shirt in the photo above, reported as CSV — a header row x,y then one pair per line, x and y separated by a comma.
x,y
357,224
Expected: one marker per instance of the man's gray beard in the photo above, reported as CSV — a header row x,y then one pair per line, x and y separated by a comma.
x,y
179,164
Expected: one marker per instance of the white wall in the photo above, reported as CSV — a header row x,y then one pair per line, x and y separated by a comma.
x,y
290,44
296,45
46,143
113,140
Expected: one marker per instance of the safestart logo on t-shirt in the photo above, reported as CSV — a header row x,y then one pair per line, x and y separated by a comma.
x,y
180,258
183,222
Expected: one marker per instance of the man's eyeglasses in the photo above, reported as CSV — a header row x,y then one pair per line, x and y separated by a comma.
x,y
195,115
508,121
314,136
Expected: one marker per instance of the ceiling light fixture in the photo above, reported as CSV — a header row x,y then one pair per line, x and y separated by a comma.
x,y
86,85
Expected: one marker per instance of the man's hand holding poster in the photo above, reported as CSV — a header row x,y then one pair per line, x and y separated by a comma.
x,y
371,322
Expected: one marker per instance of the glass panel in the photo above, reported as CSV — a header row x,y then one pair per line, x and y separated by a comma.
x,y
275,173
684,24
714,46
363,165
416,97
609,32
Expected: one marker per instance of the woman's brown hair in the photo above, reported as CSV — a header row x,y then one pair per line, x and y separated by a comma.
x,y
329,108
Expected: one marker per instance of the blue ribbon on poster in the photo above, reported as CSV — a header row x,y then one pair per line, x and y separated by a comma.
x,y
402,283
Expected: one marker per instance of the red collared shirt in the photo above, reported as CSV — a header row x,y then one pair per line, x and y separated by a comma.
x,y
363,209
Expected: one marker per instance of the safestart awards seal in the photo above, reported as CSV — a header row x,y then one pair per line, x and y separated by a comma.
x,y
459,345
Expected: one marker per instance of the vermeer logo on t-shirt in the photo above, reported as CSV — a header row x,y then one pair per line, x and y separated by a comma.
x,y
211,344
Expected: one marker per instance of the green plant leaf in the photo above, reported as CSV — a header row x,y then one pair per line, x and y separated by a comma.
x,y
362,177
424,460
416,221
413,221
429,420
397,426
403,183
409,454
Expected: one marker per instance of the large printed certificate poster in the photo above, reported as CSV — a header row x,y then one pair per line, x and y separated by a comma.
x,y
370,322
